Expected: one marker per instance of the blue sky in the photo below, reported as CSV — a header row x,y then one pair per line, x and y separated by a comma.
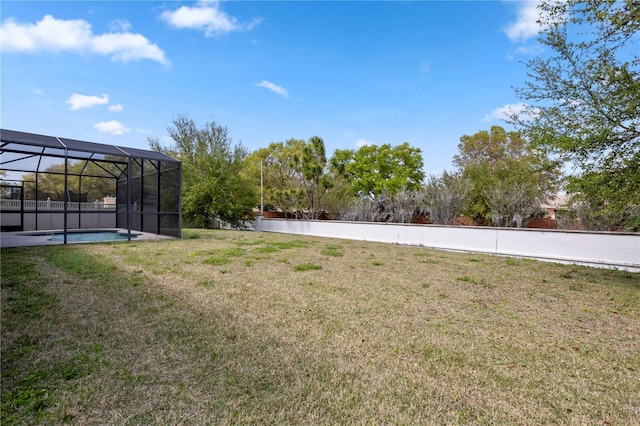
x,y
351,72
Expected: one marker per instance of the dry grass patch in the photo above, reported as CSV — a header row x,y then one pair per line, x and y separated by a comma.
x,y
156,333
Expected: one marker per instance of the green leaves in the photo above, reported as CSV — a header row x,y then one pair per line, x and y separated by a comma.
x,y
214,186
94,177
586,92
373,169
509,177
608,200
313,164
294,175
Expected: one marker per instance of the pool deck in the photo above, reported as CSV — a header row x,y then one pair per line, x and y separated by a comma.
x,y
24,239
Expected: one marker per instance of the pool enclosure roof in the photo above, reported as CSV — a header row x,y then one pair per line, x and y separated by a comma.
x,y
33,145
147,185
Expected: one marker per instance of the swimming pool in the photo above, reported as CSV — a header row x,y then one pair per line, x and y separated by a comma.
x,y
87,236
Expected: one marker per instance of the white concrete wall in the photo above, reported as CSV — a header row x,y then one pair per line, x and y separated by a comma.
x,y
600,249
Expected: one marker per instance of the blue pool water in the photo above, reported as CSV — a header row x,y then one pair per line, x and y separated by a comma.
x,y
90,236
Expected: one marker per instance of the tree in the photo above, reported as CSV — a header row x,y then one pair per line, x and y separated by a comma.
x,y
213,185
496,161
312,165
294,175
373,169
402,206
365,209
338,198
599,195
399,207
83,176
444,196
511,202
272,170
585,100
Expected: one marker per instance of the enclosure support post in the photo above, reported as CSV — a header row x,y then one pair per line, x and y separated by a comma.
x,y
141,204
80,200
35,196
129,198
66,193
158,195
22,207
180,200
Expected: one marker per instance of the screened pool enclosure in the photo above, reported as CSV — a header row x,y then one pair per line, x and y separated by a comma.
x,y
49,182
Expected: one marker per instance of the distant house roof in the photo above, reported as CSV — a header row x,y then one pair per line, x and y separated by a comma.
x,y
555,201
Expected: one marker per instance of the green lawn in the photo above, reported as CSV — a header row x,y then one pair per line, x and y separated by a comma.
x,y
230,327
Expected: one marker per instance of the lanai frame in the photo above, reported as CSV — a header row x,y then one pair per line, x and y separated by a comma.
x,y
147,184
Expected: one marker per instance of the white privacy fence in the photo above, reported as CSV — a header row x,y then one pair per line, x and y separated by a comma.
x,y
599,249
32,205
33,215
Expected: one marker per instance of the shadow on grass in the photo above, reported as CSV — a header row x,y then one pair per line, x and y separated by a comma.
x,y
88,339
84,341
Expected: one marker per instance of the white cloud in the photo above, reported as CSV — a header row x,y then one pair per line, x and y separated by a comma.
x,y
37,91
111,127
363,142
205,16
504,112
78,101
526,25
533,50
529,50
274,88
115,108
59,35
120,25
126,47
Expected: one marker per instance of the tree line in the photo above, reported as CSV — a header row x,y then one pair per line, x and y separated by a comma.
x,y
499,180
582,113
